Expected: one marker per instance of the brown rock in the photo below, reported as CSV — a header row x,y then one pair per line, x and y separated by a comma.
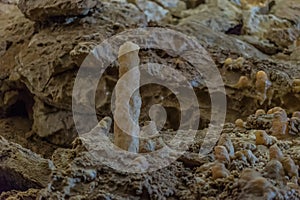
x,y
296,114
42,10
250,156
274,170
21,169
239,123
219,16
54,124
262,84
153,11
280,123
219,171
287,9
226,142
258,188
246,176
265,30
275,152
275,109
242,83
294,126
210,37
193,3
290,168
260,112
262,138
221,154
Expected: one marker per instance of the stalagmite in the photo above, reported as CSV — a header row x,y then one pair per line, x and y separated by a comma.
x,y
128,111
262,84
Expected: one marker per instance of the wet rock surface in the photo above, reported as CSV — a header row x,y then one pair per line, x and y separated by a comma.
x,y
255,46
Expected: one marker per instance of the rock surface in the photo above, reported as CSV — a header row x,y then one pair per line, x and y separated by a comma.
x,y
43,10
20,169
43,44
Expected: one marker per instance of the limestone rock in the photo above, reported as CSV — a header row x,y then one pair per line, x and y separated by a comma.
x,y
208,37
258,188
42,10
265,30
57,125
275,152
287,9
290,168
294,126
226,142
21,169
29,194
52,79
295,54
252,159
153,11
246,176
176,7
254,186
262,138
274,170
92,177
221,154
220,16
219,171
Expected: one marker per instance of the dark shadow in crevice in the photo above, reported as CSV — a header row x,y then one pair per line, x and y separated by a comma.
x,y
236,30
23,106
10,180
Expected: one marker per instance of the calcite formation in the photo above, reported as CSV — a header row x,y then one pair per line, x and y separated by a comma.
x,y
221,154
262,85
126,130
262,138
219,171
255,46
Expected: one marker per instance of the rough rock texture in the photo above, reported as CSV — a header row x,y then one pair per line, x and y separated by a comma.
x,y
42,45
239,179
59,49
153,11
20,169
287,10
213,15
43,10
268,30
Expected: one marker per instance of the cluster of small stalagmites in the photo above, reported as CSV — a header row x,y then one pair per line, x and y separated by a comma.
x,y
260,82
259,120
282,125
275,124
280,165
233,64
253,185
225,154
266,185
